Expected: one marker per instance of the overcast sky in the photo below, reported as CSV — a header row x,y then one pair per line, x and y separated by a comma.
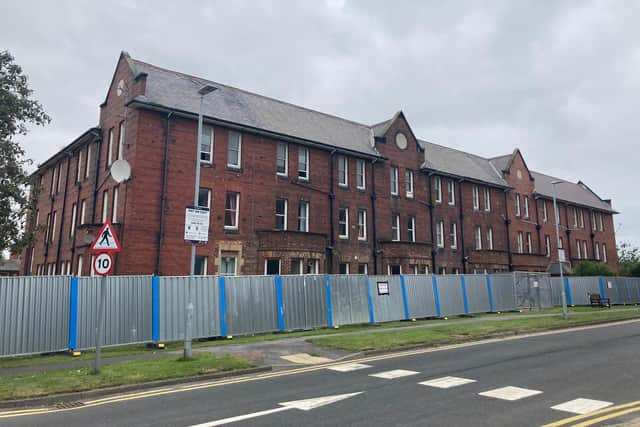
x,y
559,80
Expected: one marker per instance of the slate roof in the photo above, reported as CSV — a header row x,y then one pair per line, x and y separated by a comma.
x,y
461,164
179,91
577,193
501,162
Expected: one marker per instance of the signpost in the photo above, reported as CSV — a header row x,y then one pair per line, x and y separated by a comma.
x,y
105,243
196,224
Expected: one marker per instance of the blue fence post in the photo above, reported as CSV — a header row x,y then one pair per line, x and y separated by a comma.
x,y
223,306
567,291
372,318
463,283
603,292
327,287
155,309
73,313
490,292
436,296
280,303
404,297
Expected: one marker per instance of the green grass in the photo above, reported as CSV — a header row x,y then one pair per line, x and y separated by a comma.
x,y
121,373
134,349
461,332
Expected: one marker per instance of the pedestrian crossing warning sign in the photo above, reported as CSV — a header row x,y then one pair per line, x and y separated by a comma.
x,y
106,240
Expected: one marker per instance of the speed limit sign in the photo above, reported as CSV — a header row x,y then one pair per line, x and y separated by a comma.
x,y
103,264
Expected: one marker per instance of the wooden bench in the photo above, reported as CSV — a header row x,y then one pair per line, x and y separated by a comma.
x,y
597,301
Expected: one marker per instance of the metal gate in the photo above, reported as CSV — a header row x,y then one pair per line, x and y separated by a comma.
x,y
533,290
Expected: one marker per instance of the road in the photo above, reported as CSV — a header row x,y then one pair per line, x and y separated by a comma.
x,y
601,364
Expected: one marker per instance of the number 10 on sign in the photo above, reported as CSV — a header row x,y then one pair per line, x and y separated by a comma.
x,y
103,264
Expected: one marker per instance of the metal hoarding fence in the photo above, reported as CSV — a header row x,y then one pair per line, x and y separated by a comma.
x,y
387,298
349,299
304,301
251,305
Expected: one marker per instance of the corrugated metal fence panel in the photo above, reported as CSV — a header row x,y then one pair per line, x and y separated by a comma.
x,y
634,289
477,294
349,303
251,304
556,290
619,290
450,295
387,307
420,298
503,292
34,314
127,311
305,301
581,287
205,296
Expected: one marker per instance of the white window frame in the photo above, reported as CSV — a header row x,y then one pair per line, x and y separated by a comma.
x,y
303,205
593,221
578,250
284,216
545,216
585,249
205,266
411,228
526,206
279,265
490,238
74,214
83,211
517,204
344,223
110,148
597,250
237,211
105,206
79,266
79,169
87,169
600,221
114,208
362,224
361,174
440,234
286,158
343,171
575,218
239,164
389,269
208,198
475,192
366,268
604,252
393,180
54,222
347,269
121,135
453,235
303,152
547,245
478,238
451,192
316,266
487,199
395,228
211,142
409,183
437,183
235,266
581,218
529,243
520,242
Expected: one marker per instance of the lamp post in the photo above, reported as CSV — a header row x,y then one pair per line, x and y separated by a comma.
x,y
205,90
565,312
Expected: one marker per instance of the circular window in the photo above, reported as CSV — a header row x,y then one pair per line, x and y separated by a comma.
x,y
401,140
519,174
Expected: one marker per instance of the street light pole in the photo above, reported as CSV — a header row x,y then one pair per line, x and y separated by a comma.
x,y
189,308
565,312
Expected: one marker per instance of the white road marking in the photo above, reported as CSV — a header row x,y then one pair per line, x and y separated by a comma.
x,y
303,405
510,393
305,359
348,367
582,406
447,382
396,373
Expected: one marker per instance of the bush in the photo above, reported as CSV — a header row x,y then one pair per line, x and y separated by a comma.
x,y
590,268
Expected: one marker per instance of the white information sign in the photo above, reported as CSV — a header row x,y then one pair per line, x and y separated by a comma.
x,y
196,225
561,255
383,288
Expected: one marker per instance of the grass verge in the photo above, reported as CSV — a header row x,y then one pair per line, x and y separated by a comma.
x,y
121,373
462,332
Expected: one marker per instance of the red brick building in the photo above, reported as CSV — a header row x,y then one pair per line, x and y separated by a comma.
x,y
293,191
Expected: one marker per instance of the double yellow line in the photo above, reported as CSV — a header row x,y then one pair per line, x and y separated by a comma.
x,y
295,371
599,416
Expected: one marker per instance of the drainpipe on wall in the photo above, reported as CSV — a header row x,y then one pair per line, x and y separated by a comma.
x,y
431,223
332,196
507,222
64,207
374,234
463,251
163,193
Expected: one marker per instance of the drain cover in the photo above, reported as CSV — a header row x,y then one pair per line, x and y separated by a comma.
x,y
68,405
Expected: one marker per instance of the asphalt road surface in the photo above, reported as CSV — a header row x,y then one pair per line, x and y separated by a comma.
x,y
600,364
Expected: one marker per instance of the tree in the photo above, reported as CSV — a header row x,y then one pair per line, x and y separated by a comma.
x,y
17,108
590,268
629,259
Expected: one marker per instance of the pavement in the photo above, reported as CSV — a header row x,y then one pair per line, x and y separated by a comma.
x,y
271,353
516,381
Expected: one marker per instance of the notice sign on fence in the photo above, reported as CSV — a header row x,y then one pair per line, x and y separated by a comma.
x,y
383,288
196,225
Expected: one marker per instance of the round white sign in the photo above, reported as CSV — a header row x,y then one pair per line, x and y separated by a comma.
x,y
103,264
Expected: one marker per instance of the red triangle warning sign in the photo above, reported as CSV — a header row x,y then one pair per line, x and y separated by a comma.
x,y
106,240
